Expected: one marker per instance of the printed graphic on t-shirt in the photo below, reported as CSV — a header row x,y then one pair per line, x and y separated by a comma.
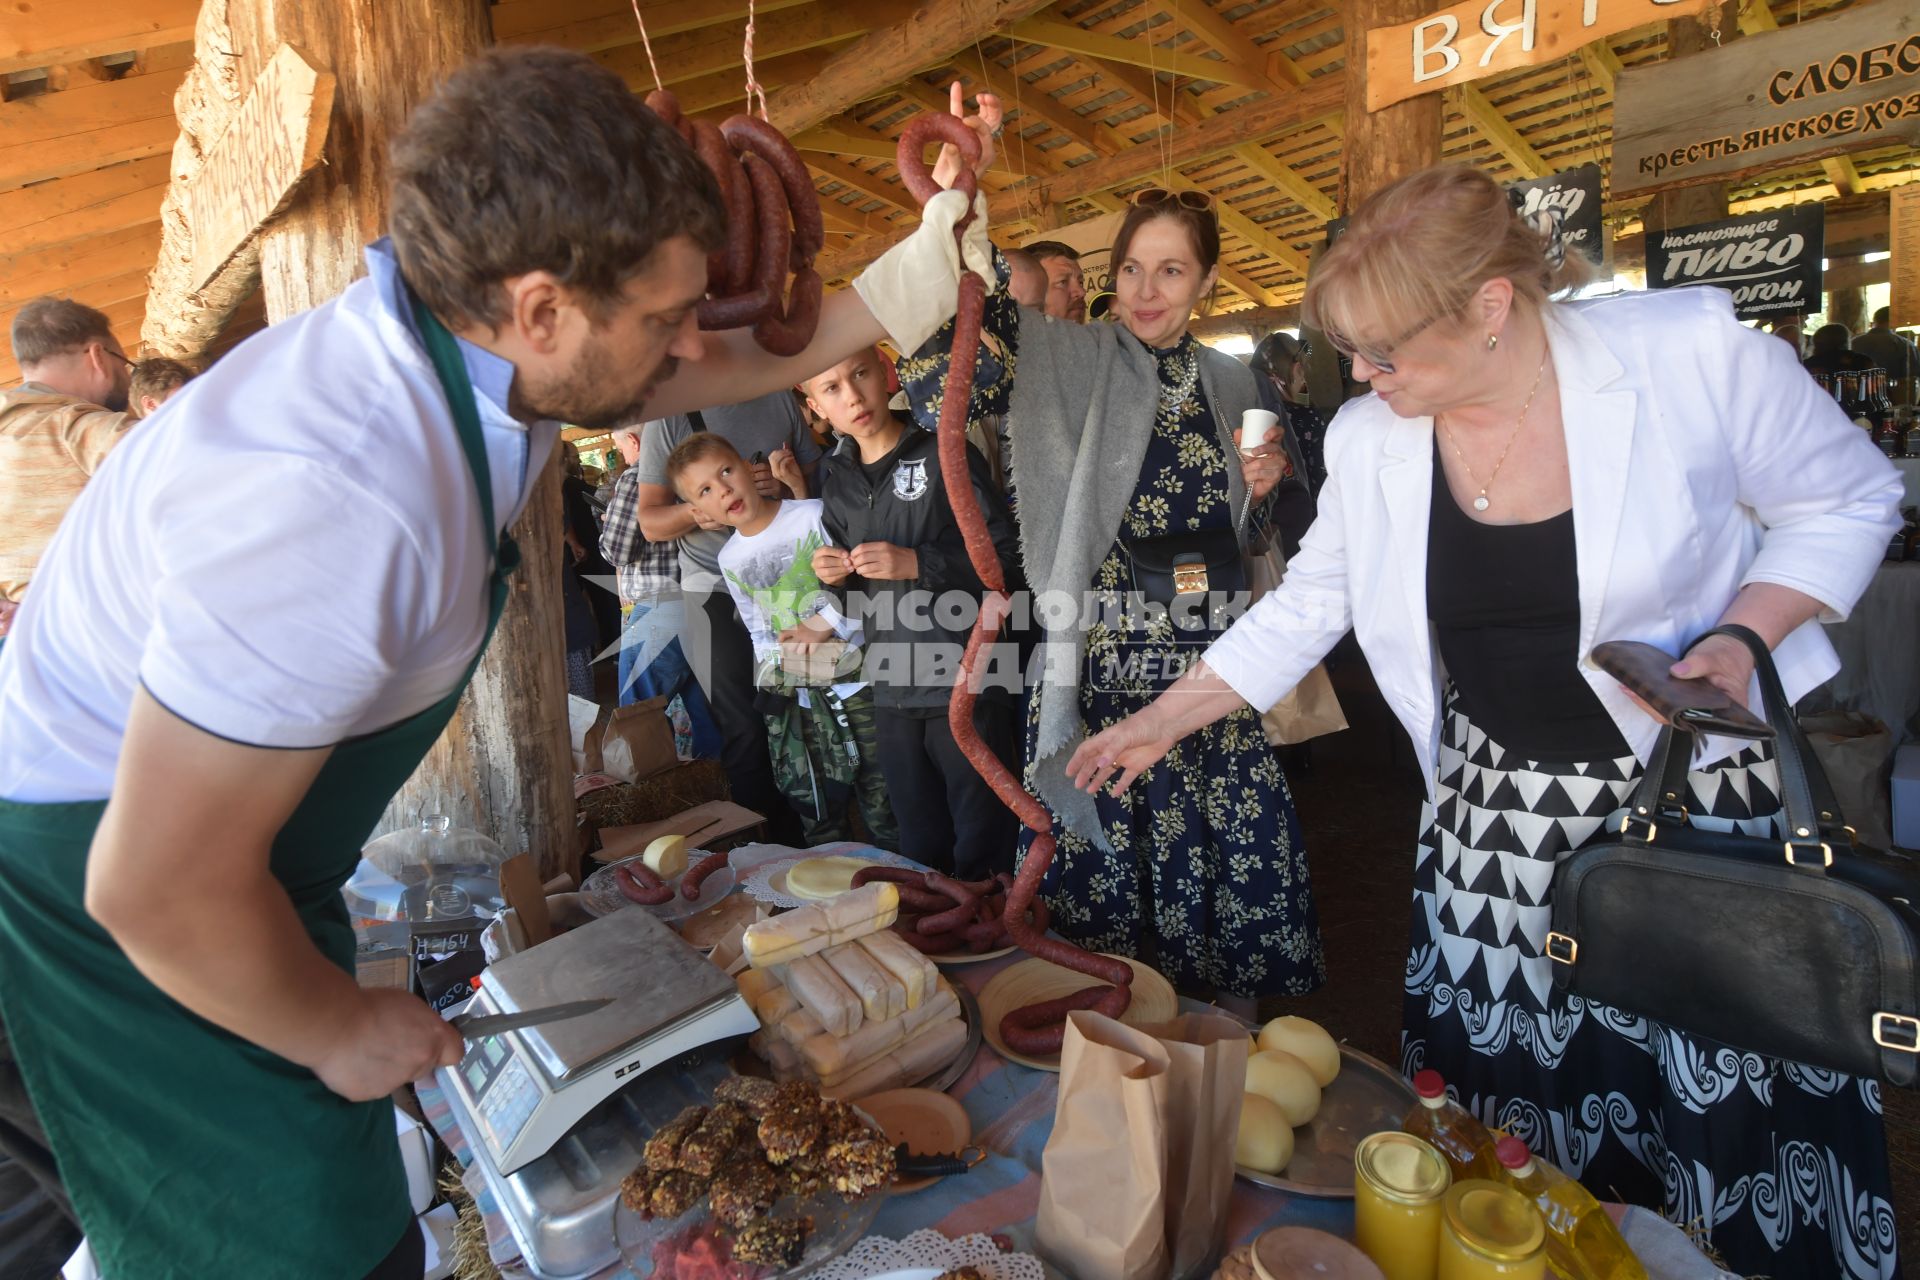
x,y
781,582
910,479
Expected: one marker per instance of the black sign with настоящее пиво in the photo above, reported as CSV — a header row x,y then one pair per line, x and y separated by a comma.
x,y
1575,195
1770,261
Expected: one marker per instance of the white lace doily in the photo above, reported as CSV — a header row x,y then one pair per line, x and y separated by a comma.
x,y
759,881
877,1255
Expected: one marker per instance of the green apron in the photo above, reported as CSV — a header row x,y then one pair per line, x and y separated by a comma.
x,y
188,1151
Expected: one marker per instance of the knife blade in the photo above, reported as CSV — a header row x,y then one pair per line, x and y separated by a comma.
x,y
474,1025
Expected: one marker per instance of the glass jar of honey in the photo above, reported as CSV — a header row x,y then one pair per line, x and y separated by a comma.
x,y
1491,1232
1398,1184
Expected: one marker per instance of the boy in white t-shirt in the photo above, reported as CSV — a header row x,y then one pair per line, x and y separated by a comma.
x,y
818,709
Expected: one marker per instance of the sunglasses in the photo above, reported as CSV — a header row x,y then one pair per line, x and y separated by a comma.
x,y
130,363
1381,358
1198,201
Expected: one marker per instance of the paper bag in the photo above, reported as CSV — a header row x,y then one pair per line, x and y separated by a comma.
x,y
1206,1078
1856,752
583,727
638,741
1310,708
1103,1176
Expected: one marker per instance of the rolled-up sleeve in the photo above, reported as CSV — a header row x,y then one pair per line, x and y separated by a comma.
x,y
1272,648
1827,498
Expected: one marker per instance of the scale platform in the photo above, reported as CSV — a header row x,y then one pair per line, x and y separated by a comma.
x,y
523,1090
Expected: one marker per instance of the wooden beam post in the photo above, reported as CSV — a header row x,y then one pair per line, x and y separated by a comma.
x,y
1391,143
1707,201
1485,117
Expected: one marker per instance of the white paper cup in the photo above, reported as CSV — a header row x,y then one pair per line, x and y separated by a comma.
x,y
1254,425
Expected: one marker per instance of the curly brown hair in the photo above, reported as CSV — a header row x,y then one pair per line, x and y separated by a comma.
x,y
533,159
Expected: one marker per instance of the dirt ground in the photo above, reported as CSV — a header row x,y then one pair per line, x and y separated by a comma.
x,y
1359,803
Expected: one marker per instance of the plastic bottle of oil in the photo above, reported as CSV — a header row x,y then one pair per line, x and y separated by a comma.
x,y
1582,1242
1451,1129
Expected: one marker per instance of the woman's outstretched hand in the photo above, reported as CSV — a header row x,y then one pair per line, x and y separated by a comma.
x,y
986,124
1128,749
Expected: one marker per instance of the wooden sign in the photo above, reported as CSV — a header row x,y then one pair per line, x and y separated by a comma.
x,y
1771,262
1905,266
1478,38
1814,89
248,175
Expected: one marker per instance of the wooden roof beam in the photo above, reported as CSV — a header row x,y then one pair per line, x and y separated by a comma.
x,y
839,142
1247,287
45,35
934,32
104,201
1502,136
1239,224
1082,43
1841,172
593,25
56,135
1275,69
725,88
1756,17
867,184
712,50
1601,62
840,217
1289,183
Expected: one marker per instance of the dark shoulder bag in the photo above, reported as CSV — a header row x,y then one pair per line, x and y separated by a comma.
x,y
1802,949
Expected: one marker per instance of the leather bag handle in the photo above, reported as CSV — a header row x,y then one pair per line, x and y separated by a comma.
x,y
1812,815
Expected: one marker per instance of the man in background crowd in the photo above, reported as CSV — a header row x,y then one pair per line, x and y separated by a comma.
x,y
56,428
1887,349
1026,278
716,641
1833,352
152,381
1066,286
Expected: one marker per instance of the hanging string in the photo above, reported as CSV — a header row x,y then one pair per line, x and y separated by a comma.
x,y
754,90
658,83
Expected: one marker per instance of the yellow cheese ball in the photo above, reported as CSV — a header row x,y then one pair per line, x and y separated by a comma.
x,y
1285,1081
1306,1040
1265,1142
667,856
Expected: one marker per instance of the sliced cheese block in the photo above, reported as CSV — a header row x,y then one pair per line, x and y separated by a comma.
x,y
881,994
797,1027
754,983
896,955
817,879
667,856
832,1056
812,929
821,992
774,1004
929,1049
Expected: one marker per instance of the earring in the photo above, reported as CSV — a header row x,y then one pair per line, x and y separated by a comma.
x,y
1493,340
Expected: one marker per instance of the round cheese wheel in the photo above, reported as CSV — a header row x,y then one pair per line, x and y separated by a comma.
x,y
1265,1141
1285,1081
1306,1040
667,856
816,879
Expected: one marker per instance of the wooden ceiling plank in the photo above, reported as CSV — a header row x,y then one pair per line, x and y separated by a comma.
x,y
839,142
1276,70
842,218
84,150
86,204
867,184
1494,127
1247,287
44,35
934,32
591,26
1601,62
1291,184
1756,17
1841,172
1140,53
713,50
1232,220
72,267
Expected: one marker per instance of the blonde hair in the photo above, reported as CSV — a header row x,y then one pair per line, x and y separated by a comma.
x,y
1418,250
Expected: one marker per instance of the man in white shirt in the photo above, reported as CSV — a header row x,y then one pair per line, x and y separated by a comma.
x,y
258,616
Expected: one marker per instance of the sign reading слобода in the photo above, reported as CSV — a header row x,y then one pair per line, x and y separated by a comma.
x,y
247,175
1814,89
1770,262
1464,42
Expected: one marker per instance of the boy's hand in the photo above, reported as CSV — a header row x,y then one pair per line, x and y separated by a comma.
x,y
833,564
705,521
764,480
884,562
785,468
807,634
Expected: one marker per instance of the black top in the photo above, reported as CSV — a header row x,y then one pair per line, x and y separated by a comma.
x,y
1505,605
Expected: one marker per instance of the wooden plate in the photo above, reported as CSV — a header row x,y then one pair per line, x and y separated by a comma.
x,y
1034,980
1292,1253
930,1123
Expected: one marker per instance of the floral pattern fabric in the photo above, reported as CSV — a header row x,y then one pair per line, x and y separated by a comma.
x,y
1209,880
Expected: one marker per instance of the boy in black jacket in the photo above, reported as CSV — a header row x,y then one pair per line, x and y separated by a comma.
x,y
902,561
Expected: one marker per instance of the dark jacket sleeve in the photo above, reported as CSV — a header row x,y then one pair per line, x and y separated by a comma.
x,y
944,562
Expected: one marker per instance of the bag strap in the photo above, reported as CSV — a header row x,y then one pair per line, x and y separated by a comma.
x,y
1813,817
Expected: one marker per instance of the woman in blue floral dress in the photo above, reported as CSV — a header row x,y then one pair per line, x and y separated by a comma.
x,y
1200,867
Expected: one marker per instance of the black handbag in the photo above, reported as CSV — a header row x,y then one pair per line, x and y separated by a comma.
x,y
1802,949
1176,566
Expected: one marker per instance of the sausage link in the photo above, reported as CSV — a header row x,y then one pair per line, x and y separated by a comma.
x,y
788,333
698,872
937,944
910,157
1041,1029
914,895
728,267
757,137
663,104
641,884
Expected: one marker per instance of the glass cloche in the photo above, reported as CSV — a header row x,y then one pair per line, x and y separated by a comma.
x,y
447,872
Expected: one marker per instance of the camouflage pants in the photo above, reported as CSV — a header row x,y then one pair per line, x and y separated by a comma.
x,y
826,755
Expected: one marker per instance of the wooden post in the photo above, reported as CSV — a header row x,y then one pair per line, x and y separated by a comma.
x,y
1394,141
1685,206
503,766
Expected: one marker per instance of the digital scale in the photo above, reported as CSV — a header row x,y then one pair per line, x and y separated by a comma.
x,y
557,1113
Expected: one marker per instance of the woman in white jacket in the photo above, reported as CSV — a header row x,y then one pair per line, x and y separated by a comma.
x,y
1531,478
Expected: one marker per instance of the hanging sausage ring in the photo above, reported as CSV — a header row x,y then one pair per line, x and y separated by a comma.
x,y
773,228
1037,1028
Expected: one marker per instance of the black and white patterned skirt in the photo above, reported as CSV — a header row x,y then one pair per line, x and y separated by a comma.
x,y
1783,1167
